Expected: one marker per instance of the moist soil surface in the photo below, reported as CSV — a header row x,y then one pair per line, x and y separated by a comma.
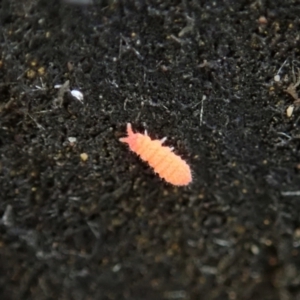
x,y
83,217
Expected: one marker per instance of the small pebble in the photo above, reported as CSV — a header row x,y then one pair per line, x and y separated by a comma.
x,y
277,78
262,20
72,139
289,111
84,156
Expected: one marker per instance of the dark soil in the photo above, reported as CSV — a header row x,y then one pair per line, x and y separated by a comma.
x,y
105,226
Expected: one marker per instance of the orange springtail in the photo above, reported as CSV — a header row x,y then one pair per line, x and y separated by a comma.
x,y
169,166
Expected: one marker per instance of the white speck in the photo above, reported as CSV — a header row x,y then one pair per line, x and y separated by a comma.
x,y
254,249
41,21
289,111
116,268
223,243
78,95
72,139
277,78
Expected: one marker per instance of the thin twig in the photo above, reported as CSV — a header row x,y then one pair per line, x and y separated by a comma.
x,y
202,109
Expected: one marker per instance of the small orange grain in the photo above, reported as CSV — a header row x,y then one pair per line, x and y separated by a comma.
x,y
169,166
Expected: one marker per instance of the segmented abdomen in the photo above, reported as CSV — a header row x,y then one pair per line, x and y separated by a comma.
x,y
164,162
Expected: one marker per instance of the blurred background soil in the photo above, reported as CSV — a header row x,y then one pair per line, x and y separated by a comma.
x,y
84,218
